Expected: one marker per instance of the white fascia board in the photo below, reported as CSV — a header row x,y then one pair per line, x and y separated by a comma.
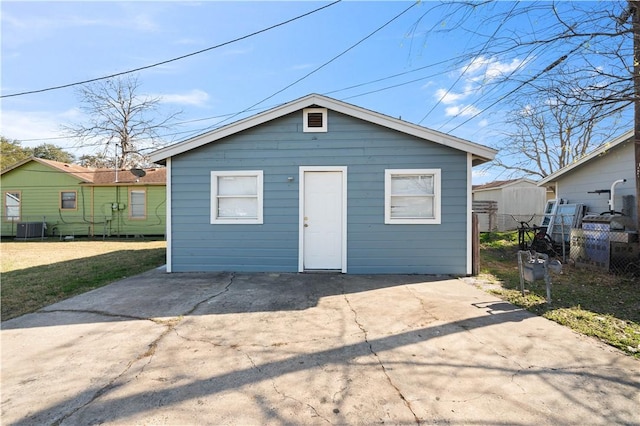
x,y
409,128
603,148
223,132
479,151
469,215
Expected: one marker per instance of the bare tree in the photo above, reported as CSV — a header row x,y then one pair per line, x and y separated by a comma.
x,y
548,130
582,49
120,121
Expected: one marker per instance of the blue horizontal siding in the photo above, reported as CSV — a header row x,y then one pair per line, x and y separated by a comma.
x,y
279,148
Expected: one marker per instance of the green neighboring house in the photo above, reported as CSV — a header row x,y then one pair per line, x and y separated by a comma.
x,y
49,198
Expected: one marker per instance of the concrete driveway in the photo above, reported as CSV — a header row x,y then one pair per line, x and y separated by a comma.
x,y
242,349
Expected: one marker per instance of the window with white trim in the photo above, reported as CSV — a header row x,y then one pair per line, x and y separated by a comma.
x,y
236,197
137,204
68,200
412,196
315,120
12,206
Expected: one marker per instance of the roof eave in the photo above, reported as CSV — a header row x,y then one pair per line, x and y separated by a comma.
x,y
553,177
482,154
16,165
75,174
124,184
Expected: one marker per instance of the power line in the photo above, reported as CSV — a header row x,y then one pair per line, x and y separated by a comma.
x,y
393,86
173,59
355,86
314,71
469,65
521,85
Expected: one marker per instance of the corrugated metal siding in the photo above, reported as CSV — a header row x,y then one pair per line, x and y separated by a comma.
x,y
279,148
598,174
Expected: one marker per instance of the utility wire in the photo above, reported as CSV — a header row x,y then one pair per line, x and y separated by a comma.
x,y
314,71
521,85
469,65
173,59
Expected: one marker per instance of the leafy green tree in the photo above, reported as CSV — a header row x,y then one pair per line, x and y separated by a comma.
x,y
48,151
12,152
99,161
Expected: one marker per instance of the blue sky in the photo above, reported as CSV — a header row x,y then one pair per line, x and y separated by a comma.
x,y
47,44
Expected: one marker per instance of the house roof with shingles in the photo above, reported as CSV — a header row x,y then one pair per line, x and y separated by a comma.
x,y
99,176
497,184
480,153
108,176
84,174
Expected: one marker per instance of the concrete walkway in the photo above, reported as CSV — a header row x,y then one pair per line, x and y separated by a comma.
x,y
289,349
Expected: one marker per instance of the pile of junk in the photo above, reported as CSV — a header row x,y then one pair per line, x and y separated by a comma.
x,y
606,241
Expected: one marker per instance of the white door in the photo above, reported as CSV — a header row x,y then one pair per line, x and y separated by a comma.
x,y
323,219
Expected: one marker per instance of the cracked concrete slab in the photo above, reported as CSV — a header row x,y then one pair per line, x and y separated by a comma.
x,y
319,349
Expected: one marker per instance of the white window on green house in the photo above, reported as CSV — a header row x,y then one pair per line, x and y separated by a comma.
x,y
68,200
412,196
138,204
236,197
12,206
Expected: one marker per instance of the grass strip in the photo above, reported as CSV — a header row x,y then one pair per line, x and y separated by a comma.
x,y
593,303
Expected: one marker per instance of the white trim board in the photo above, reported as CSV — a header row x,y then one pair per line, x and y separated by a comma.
x,y
301,212
480,152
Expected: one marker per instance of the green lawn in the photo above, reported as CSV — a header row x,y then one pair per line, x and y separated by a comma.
x,y
37,274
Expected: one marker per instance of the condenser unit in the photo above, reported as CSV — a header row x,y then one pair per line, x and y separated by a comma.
x,y
30,230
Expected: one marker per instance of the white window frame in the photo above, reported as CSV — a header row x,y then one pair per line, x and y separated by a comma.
x,y
10,217
258,174
305,122
389,174
144,204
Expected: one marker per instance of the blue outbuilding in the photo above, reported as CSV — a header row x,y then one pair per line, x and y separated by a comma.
x,y
318,184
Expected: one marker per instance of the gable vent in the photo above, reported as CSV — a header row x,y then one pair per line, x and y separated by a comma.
x,y
315,120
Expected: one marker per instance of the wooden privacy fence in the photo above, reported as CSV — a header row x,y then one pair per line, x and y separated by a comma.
x,y
487,212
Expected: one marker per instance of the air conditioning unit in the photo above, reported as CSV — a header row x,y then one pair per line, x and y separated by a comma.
x,y
30,230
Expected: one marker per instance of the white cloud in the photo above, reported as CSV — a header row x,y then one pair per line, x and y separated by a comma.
x,y
483,69
195,97
142,22
478,72
19,30
38,125
461,111
447,98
